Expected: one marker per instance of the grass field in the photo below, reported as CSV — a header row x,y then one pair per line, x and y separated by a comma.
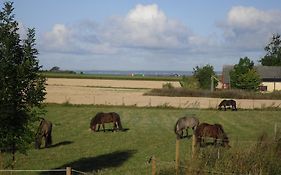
x,y
149,131
110,77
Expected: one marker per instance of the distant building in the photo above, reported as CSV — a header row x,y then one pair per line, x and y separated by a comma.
x,y
270,77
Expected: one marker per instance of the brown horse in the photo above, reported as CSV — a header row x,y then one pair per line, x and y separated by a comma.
x,y
102,118
44,130
205,130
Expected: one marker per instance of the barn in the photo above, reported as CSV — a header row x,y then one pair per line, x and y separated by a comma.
x,y
270,77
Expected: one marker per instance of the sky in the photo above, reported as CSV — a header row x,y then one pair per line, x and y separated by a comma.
x,y
148,35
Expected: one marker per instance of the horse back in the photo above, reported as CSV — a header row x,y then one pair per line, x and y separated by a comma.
x,y
199,129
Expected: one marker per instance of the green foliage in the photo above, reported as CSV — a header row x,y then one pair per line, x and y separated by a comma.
x,y
232,93
203,74
21,87
168,86
189,82
273,55
244,76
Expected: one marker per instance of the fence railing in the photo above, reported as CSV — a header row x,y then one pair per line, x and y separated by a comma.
x,y
67,170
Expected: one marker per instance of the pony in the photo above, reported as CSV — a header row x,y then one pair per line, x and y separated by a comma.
x,y
184,123
101,118
225,103
44,130
215,131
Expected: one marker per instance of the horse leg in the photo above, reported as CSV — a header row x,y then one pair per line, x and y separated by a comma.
x,y
46,141
98,127
114,126
215,141
224,107
186,132
103,127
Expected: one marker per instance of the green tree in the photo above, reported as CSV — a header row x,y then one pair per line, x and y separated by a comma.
x,y
273,55
203,75
22,88
244,76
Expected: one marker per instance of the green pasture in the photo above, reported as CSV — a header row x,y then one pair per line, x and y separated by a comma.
x,y
149,132
110,77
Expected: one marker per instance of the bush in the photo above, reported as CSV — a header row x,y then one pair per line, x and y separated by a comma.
x,y
168,86
237,94
189,83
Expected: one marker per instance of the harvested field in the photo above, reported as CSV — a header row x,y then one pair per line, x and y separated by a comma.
x,y
130,93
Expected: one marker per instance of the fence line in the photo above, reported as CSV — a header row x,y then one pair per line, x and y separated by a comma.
x,y
68,171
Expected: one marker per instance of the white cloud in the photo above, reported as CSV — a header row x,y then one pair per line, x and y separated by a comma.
x,y
248,28
58,39
144,27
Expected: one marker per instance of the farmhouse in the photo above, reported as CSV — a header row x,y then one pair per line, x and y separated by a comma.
x,y
270,77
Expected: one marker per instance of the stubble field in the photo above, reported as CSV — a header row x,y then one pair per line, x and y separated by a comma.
x,y
130,93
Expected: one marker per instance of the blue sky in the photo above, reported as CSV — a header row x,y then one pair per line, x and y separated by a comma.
x,y
148,35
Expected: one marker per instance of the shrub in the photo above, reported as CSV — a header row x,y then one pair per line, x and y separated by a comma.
x,y
235,93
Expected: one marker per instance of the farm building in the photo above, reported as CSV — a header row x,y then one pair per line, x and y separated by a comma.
x,y
270,77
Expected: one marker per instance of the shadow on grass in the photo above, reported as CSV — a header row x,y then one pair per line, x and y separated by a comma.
x,y
112,130
60,144
93,164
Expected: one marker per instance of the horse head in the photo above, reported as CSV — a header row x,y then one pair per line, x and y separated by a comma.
x,y
38,141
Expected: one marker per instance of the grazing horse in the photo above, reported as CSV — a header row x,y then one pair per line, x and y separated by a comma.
x,y
102,118
205,130
44,130
225,103
184,123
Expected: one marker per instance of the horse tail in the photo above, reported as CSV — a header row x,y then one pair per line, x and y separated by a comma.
x,y
176,130
118,120
119,124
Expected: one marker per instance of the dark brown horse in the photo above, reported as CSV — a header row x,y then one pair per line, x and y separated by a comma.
x,y
205,130
225,103
44,131
102,118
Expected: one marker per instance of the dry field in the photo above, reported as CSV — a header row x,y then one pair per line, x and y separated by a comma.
x,y
130,93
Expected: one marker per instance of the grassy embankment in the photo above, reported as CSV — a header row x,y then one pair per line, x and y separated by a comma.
x,y
150,131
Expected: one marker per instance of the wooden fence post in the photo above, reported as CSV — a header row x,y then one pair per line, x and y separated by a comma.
x,y
177,156
153,164
68,171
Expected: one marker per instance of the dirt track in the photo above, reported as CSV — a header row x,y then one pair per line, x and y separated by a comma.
x,y
130,93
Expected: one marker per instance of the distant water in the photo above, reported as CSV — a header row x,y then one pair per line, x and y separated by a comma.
x,y
139,73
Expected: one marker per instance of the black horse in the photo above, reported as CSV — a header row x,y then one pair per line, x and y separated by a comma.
x,y
102,118
44,130
225,103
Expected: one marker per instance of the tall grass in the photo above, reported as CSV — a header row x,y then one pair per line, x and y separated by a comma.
x,y
263,157
238,94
